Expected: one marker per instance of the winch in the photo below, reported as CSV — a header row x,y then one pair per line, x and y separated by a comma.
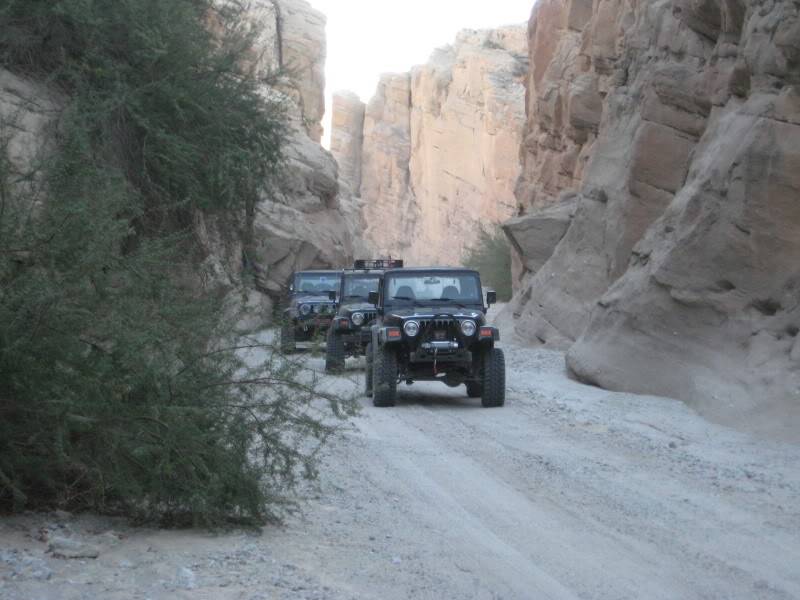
x,y
439,345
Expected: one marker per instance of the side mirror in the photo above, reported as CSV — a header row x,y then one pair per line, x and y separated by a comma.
x,y
373,298
491,297
332,296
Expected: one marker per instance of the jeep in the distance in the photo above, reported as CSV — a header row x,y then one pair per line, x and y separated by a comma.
x,y
310,307
431,326
349,333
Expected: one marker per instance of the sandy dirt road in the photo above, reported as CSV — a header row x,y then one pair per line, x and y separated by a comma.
x,y
566,492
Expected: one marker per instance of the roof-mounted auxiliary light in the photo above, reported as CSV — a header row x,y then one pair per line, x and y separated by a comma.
x,y
382,263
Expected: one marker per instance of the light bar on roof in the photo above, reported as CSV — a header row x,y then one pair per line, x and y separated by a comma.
x,y
390,263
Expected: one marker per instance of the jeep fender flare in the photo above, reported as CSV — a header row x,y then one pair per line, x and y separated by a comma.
x,y
380,336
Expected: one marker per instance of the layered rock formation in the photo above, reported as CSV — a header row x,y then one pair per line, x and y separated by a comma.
x,y
662,162
439,147
302,221
390,208
347,138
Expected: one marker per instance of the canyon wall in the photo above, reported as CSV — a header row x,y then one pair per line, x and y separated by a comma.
x,y
301,220
659,229
439,147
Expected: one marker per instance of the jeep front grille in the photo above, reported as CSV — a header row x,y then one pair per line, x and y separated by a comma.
x,y
436,324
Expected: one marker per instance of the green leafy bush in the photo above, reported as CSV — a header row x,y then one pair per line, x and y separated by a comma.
x,y
491,256
121,389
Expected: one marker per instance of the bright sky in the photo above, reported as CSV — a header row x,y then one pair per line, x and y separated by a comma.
x,y
370,37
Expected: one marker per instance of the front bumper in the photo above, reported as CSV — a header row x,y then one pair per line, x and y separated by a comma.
x,y
313,322
362,337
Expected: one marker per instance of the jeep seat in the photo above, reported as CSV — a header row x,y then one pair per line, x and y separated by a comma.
x,y
451,292
405,291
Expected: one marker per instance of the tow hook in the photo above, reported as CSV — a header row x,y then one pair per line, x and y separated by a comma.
x,y
435,356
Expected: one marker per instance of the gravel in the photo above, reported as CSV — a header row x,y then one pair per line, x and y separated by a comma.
x,y
566,492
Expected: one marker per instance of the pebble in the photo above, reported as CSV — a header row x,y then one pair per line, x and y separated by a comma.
x,y
62,547
25,567
186,579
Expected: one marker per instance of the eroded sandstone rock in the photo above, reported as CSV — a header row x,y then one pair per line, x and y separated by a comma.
x,y
678,274
302,54
390,208
536,235
302,220
347,138
440,147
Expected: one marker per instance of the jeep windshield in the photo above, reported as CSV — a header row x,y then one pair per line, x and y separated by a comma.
x,y
316,283
358,287
432,289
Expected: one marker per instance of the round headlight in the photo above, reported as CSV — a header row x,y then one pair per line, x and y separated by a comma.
x,y
357,318
411,328
305,309
468,328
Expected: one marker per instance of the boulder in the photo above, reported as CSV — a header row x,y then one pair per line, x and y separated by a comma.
x,y
63,547
535,236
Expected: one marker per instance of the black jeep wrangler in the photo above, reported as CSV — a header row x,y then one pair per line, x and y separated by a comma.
x,y
349,333
431,326
310,307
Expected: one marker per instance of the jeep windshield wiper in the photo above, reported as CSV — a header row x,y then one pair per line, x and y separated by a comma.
x,y
453,300
403,298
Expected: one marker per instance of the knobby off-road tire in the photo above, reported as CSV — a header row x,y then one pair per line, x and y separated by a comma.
x,y
368,373
334,353
288,345
384,377
494,378
474,389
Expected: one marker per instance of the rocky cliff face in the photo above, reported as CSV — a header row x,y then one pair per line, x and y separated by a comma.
x,y
347,138
302,221
440,146
26,111
659,234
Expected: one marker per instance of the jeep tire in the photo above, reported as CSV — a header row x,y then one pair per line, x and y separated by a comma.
x,y
384,377
494,378
368,372
474,389
287,338
334,353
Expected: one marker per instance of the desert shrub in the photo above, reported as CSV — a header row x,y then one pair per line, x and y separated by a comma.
x,y
121,388
491,256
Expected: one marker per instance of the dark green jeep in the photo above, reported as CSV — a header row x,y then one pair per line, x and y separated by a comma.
x,y
310,307
431,326
349,333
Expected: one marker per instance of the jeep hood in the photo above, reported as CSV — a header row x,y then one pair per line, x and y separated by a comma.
x,y
431,312
315,299
358,306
